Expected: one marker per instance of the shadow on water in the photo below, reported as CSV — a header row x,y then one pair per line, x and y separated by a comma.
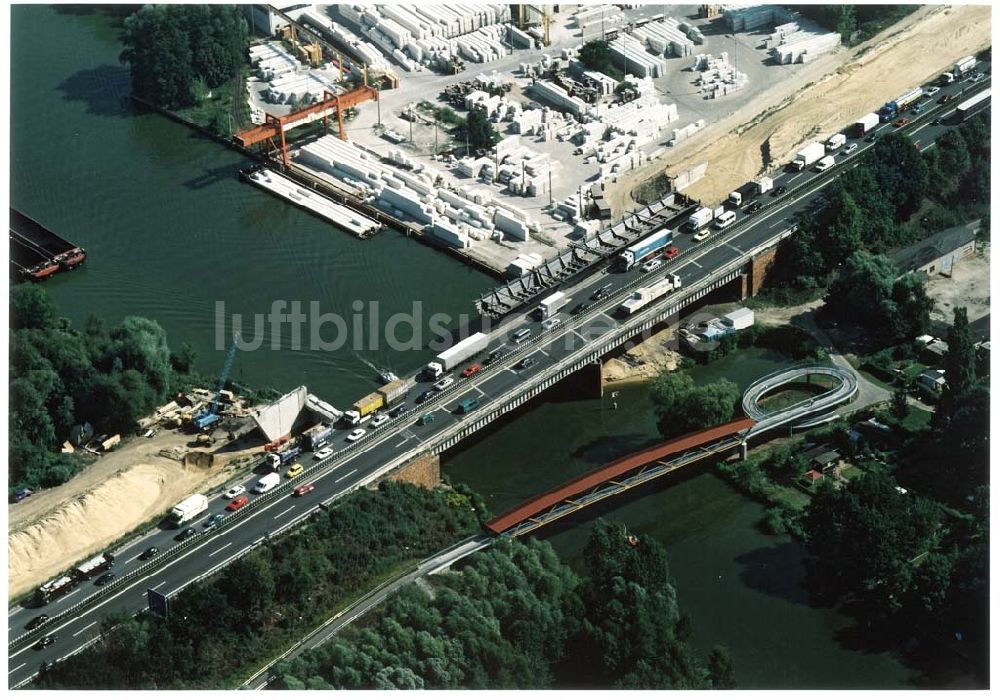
x,y
119,11
211,176
767,570
104,89
607,448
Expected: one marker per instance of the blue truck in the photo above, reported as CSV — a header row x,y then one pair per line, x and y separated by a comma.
x,y
648,246
891,109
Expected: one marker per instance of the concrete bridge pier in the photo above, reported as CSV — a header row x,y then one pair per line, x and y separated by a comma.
x,y
586,383
744,450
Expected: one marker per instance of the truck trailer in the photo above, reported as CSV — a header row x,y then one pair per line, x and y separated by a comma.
x,y
764,184
276,460
550,305
865,124
94,566
456,354
743,194
395,391
891,109
700,219
189,509
808,155
317,436
647,247
963,66
59,586
969,106
644,296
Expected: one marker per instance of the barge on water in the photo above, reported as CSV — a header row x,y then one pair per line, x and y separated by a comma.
x,y
36,253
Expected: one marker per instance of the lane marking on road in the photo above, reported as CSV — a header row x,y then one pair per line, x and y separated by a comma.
x,y
84,629
18,668
337,481
212,554
401,442
738,250
282,512
779,222
795,176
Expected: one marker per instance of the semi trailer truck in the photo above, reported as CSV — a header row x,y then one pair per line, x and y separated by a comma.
x,y
457,354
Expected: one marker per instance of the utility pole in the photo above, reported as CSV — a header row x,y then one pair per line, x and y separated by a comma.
x,y
378,104
550,184
435,136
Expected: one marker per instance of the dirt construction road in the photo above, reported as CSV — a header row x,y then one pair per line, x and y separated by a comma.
x,y
907,54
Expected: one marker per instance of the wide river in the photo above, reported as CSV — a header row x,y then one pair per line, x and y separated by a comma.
x,y
171,232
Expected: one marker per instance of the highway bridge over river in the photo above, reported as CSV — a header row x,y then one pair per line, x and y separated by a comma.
x,y
735,257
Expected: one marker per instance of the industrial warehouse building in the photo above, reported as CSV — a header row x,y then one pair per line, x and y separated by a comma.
x,y
937,254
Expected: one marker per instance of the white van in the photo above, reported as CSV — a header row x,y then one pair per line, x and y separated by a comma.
x,y
726,219
267,482
824,164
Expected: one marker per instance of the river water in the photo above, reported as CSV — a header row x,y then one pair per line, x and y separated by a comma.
x,y
170,231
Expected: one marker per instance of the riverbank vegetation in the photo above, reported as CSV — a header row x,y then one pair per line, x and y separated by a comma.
x,y
856,23
683,406
264,601
191,59
515,616
62,377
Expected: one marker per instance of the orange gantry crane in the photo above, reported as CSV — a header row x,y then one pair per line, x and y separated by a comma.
x,y
273,129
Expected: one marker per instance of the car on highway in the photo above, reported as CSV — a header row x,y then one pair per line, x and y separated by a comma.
x,y
932,90
234,492
356,434
901,122
378,420
398,411
471,369
945,99
46,641
917,110
551,323
602,292
671,252
752,208
651,265
303,490
525,363
702,235
778,191
238,503
851,148
105,578
443,383
214,521
294,470
935,121
495,354
149,553
425,419
323,453
425,395
581,307
36,621
184,534
977,77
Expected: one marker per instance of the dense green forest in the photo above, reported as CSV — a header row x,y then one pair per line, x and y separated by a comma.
x,y
515,616
179,53
219,630
61,377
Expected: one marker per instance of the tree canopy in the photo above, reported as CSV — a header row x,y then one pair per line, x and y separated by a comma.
x,y
682,406
176,51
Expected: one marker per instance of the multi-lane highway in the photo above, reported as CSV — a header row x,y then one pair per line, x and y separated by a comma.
x,y
360,463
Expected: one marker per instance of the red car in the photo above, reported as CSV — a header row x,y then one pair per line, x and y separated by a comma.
x,y
238,503
901,122
470,370
303,490
671,253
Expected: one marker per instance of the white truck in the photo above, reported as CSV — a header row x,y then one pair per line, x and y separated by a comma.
x,y
963,66
643,296
550,305
835,142
739,319
824,163
456,354
700,219
808,155
267,482
189,509
865,124
764,184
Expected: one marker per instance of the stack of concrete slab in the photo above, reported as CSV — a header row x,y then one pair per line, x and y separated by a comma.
x,y
684,132
272,59
363,52
629,54
558,97
718,76
524,263
642,117
484,44
597,19
301,87
747,17
801,47
665,38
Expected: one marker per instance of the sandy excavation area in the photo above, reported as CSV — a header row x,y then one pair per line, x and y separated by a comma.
x,y
56,528
846,84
